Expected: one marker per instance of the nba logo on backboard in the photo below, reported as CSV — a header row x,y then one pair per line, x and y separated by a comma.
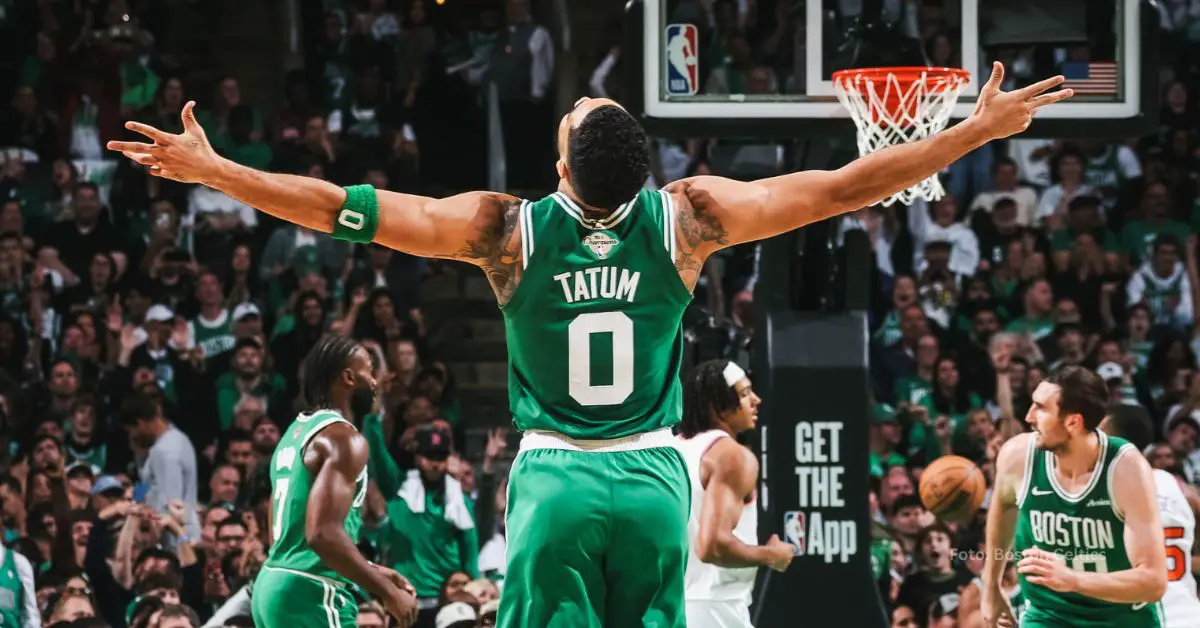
x,y
793,531
682,70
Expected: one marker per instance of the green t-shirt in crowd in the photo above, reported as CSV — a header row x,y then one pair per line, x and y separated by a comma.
x,y
921,436
1037,327
427,548
1064,240
1138,237
912,390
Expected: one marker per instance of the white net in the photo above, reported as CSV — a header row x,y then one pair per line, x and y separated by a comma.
x,y
890,110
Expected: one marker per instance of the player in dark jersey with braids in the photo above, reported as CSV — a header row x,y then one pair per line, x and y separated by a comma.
x,y
592,282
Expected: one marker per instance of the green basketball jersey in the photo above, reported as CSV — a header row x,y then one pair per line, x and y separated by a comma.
x,y
213,337
12,592
594,337
291,483
1086,529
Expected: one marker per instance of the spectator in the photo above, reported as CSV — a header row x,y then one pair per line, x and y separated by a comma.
x,y
456,615
247,377
1006,185
1161,283
1069,184
224,484
885,438
1139,236
18,600
432,532
68,607
521,66
371,615
936,577
211,330
169,471
178,616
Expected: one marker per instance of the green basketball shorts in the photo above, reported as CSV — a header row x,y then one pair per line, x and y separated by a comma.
x,y
1149,616
287,599
597,535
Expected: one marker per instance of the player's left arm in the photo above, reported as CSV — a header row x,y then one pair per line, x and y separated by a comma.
x,y
723,212
1136,494
1192,495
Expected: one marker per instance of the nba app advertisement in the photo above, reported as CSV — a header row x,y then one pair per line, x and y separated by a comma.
x,y
821,526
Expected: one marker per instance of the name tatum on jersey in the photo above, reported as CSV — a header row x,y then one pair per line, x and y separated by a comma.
x,y
606,282
1086,528
593,327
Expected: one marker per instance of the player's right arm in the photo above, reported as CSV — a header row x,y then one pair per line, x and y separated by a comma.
x,y
1192,495
476,227
731,479
721,212
1001,527
336,456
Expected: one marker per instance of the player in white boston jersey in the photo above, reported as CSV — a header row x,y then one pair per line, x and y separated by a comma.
x,y
1176,505
723,550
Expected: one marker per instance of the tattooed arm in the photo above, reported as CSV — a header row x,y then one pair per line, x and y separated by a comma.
x,y
478,227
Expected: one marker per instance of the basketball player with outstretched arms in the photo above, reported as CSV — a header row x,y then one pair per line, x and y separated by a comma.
x,y
724,555
592,282
1176,510
318,486
1077,507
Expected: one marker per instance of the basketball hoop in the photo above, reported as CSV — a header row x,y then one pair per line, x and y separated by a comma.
x,y
900,105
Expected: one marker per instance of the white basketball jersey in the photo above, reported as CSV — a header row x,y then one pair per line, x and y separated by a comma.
x,y
705,582
1180,604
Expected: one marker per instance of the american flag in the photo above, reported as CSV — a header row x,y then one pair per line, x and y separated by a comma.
x,y
1091,78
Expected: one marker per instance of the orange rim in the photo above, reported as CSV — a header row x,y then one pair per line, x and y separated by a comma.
x,y
905,76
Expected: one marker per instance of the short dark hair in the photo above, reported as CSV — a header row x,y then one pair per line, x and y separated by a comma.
x,y
705,394
226,465
138,408
84,401
179,610
235,435
86,185
1166,239
907,501
1003,161
609,157
169,579
928,531
234,519
1133,423
1082,393
13,484
1004,201
322,366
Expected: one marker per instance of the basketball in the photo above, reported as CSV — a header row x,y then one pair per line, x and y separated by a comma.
x,y
953,488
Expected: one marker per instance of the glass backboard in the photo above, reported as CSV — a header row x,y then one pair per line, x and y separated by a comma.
x,y
739,67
